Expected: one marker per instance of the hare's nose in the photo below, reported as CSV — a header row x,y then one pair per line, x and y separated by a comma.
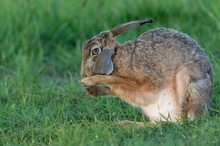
x,y
83,74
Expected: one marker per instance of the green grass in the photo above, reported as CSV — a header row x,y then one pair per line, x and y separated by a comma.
x,y
41,99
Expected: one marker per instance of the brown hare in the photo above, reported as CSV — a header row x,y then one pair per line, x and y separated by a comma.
x,y
164,72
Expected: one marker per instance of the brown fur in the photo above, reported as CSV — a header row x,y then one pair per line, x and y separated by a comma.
x,y
159,60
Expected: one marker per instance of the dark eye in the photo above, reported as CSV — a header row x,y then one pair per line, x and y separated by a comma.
x,y
96,51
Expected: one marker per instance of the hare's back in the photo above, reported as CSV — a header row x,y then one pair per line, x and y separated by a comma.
x,y
174,47
170,40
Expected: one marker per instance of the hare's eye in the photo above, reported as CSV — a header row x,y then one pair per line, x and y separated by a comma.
x,y
96,51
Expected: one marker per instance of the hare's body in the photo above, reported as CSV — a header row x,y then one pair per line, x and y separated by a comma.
x,y
156,55
164,72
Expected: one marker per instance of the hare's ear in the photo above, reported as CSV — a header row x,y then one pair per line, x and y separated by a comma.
x,y
128,26
104,64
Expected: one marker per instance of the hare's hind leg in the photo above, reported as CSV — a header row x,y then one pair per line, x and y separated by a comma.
x,y
199,96
182,80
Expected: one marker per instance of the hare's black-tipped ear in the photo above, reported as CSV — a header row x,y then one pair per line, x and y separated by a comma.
x,y
128,26
104,64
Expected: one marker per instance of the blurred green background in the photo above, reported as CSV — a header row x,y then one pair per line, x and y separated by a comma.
x,y
40,51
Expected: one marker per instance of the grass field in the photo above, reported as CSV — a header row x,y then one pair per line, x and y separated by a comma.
x,y
41,99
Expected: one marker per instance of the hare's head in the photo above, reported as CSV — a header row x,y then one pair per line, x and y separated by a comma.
x,y
97,52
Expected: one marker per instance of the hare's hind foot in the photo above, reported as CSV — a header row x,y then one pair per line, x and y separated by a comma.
x,y
124,123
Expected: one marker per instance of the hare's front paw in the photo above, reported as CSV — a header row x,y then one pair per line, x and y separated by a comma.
x,y
87,81
93,80
92,90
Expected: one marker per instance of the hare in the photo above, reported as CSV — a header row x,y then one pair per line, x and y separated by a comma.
x,y
164,72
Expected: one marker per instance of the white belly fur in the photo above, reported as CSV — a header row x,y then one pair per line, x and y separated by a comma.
x,y
164,109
